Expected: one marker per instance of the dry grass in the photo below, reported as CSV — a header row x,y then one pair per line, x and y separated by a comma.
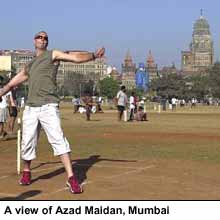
x,y
174,155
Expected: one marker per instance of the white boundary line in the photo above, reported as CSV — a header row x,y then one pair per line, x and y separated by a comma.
x,y
4,177
9,195
82,165
86,182
129,172
111,177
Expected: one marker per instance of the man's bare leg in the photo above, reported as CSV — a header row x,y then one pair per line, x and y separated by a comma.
x,y
120,113
27,165
1,128
2,131
65,158
12,124
72,182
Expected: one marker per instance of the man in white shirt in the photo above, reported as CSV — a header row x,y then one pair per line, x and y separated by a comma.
x,y
12,109
122,101
131,107
76,103
99,105
174,101
3,115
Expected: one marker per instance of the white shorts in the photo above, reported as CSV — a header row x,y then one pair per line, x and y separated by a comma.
x,y
3,114
47,117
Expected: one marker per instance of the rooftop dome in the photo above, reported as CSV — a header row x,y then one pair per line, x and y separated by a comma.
x,y
201,26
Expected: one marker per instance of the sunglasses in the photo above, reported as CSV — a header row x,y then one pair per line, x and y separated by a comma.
x,y
41,37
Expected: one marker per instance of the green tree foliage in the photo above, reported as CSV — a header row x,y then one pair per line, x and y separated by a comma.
x,y
214,80
187,87
169,85
108,87
4,77
198,86
89,88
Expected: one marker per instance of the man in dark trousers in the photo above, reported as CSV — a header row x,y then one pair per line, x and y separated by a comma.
x,y
122,101
87,99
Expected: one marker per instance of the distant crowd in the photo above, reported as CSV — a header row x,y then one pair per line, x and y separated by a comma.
x,y
132,108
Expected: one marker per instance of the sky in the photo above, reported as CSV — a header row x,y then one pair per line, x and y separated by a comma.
x,y
162,26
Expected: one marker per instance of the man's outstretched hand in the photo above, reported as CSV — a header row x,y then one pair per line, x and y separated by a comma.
x,y
99,53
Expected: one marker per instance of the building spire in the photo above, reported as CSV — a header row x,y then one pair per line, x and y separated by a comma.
x,y
150,59
128,55
201,13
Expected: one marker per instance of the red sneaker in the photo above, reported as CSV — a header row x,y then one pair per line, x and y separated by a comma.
x,y
73,185
26,178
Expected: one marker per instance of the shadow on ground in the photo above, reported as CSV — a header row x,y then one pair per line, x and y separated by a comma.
x,y
80,167
23,196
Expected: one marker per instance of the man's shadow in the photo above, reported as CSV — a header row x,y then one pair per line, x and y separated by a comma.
x,y
23,196
80,167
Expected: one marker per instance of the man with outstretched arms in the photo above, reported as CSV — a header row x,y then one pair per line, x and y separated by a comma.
x,y
41,108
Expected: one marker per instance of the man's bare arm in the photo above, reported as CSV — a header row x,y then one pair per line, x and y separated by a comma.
x,y
15,81
78,56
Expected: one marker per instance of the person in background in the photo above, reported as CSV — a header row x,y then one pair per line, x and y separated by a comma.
x,y
13,111
131,107
87,99
141,115
3,114
174,103
122,101
99,104
76,103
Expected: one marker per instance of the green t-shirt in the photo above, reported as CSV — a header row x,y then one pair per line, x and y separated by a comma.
x,y
42,73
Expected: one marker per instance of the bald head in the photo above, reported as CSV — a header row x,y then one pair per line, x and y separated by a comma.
x,y
41,40
41,32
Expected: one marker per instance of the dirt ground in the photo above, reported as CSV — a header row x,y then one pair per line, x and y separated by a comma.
x,y
173,156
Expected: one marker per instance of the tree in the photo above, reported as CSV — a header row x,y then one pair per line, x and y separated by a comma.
x,y
73,83
214,80
198,86
169,85
4,77
89,88
108,87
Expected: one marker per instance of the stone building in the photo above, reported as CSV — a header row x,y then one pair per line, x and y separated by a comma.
x,y
151,67
115,74
165,70
201,53
73,76
15,59
128,72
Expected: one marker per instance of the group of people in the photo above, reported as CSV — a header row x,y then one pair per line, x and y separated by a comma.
x,y
136,112
8,114
174,102
88,105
